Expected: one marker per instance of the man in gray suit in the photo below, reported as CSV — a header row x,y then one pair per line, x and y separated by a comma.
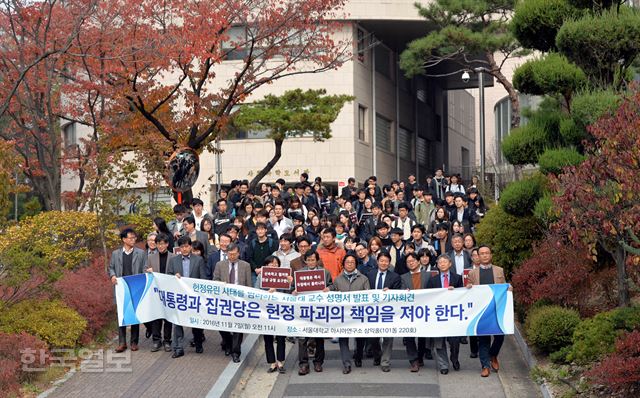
x,y
191,266
190,231
236,272
415,279
128,260
461,259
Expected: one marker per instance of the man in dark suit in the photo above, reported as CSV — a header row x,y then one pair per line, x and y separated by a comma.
x,y
158,262
188,265
415,279
190,230
449,280
460,258
237,272
217,255
462,213
383,279
128,260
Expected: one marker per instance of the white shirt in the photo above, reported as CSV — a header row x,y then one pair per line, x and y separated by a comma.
x,y
199,220
459,260
283,226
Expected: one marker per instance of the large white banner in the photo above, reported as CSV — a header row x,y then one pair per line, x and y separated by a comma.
x,y
481,310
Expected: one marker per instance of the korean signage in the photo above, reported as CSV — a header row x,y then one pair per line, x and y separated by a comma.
x,y
480,310
274,277
310,281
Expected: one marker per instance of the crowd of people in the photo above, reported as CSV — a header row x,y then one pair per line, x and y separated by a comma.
x,y
404,235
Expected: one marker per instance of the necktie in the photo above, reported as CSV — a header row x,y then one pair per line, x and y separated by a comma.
x,y
446,280
232,273
380,281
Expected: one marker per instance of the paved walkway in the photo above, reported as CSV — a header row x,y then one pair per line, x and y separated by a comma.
x,y
211,374
154,374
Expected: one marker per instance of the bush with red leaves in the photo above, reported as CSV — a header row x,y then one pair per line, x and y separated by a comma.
x,y
556,272
14,350
89,291
620,371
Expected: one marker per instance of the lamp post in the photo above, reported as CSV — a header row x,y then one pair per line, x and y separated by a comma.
x,y
480,71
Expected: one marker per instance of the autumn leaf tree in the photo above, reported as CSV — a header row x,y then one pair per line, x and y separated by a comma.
x,y
295,113
34,39
599,200
144,57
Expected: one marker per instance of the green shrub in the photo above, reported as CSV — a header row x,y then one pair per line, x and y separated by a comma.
x,y
626,318
524,144
560,356
597,41
520,197
571,133
551,328
544,211
593,338
551,74
536,22
51,321
509,237
589,106
554,160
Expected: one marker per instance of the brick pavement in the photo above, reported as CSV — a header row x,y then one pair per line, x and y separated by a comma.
x,y
154,374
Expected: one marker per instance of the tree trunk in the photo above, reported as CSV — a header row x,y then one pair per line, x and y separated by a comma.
x,y
496,72
267,168
620,257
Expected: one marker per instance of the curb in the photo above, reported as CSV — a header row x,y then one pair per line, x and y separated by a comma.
x,y
230,376
530,359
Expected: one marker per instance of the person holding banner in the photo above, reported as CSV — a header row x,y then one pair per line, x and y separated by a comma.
x,y
449,280
192,266
473,340
128,260
415,279
312,262
383,279
271,354
487,274
350,280
157,262
236,272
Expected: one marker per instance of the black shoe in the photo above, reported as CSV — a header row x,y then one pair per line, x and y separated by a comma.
x,y
199,350
473,355
463,340
147,334
376,361
272,369
177,354
386,369
456,365
427,355
358,363
227,352
346,370
156,347
236,358
192,343
281,370
444,371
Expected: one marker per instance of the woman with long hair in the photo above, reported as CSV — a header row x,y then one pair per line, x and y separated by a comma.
x,y
160,225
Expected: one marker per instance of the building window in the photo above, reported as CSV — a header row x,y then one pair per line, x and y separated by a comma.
x,y
383,133
361,45
69,134
362,123
422,151
384,61
404,144
235,46
466,164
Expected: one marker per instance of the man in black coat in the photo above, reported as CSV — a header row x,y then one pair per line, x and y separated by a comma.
x,y
448,279
383,279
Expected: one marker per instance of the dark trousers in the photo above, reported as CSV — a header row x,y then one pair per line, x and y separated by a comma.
x,y
415,352
272,354
178,337
303,350
345,353
232,341
161,328
454,348
488,349
473,344
122,334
